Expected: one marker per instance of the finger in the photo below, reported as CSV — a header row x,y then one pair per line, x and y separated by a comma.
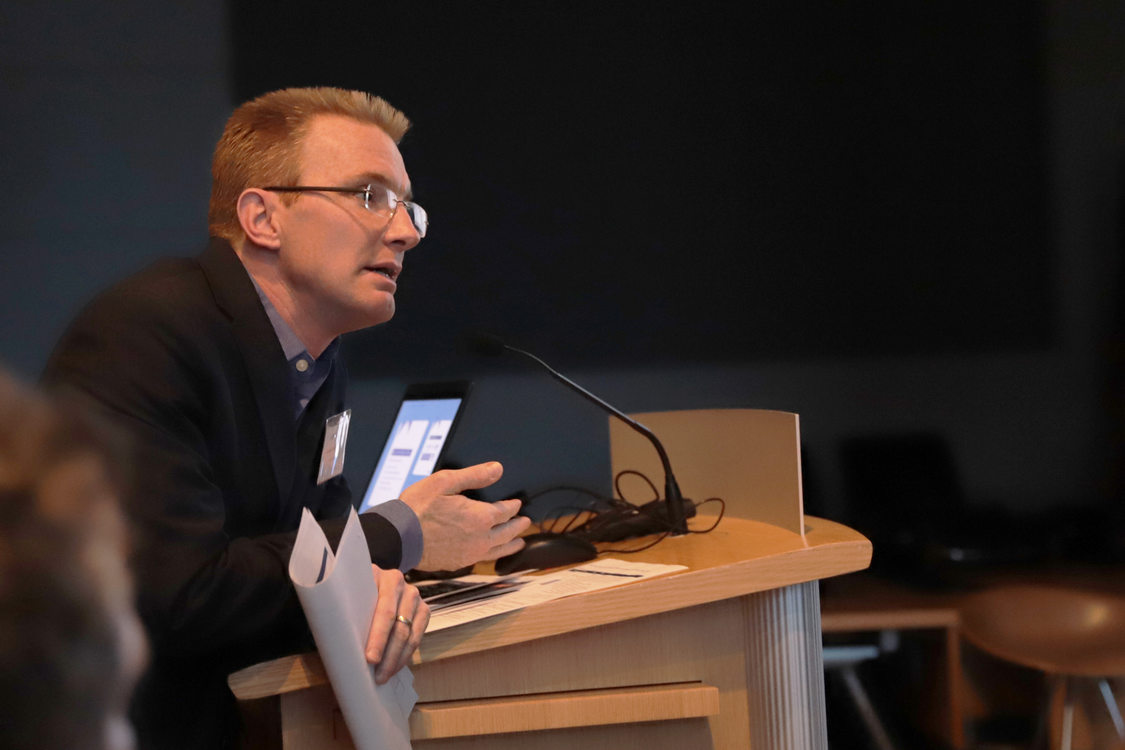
x,y
515,545
390,588
397,645
509,529
478,476
421,619
504,539
421,622
402,641
502,510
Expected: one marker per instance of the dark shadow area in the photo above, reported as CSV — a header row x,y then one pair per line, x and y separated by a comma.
x,y
904,492
640,183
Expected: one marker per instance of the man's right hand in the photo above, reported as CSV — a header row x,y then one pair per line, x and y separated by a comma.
x,y
457,531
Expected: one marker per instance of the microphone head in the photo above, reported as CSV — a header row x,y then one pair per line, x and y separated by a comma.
x,y
485,344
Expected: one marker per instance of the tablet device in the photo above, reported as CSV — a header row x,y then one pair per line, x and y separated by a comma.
x,y
426,418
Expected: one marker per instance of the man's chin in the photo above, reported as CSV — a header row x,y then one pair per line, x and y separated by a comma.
x,y
362,312
375,315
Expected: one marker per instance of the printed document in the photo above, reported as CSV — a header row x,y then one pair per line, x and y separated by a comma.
x,y
529,590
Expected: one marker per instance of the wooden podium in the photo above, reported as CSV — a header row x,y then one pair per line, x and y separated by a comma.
x,y
725,654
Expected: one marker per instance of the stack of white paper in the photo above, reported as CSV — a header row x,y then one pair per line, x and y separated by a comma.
x,y
338,594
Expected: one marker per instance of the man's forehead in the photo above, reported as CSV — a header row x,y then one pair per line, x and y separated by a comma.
x,y
342,148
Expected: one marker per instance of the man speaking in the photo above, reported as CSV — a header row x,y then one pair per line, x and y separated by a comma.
x,y
225,369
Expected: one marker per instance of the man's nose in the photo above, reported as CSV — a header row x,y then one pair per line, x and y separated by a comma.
x,y
401,230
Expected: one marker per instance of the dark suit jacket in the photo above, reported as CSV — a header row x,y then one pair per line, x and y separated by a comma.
x,y
184,356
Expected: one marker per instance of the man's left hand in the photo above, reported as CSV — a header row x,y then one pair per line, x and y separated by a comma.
x,y
397,627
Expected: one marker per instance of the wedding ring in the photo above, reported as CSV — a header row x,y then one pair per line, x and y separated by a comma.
x,y
405,620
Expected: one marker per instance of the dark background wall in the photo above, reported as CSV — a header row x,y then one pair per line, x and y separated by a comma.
x,y
631,183
888,218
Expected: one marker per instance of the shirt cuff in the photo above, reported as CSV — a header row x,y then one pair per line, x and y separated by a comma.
x,y
409,531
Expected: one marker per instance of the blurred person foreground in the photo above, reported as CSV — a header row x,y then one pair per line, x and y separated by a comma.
x,y
71,646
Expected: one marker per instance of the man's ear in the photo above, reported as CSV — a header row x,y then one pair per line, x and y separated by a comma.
x,y
257,215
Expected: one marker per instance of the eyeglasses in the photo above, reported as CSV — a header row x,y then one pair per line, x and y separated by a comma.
x,y
378,199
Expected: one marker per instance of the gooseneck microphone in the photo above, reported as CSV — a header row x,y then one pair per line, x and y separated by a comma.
x,y
491,346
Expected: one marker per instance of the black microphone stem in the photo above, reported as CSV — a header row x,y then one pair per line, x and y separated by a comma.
x,y
676,520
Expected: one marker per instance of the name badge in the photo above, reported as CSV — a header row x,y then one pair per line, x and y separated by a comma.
x,y
335,442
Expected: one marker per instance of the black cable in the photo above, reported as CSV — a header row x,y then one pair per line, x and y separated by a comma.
x,y
570,488
722,512
590,521
570,519
661,538
633,472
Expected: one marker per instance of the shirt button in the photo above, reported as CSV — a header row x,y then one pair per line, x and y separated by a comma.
x,y
302,365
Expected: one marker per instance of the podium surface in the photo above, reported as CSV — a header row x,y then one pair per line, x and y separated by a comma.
x,y
725,654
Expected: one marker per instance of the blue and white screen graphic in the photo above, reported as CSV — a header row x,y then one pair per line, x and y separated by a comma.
x,y
420,430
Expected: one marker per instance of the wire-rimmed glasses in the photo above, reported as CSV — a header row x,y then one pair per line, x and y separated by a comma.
x,y
378,199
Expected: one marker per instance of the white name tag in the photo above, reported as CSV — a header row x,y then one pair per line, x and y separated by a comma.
x,y
335,442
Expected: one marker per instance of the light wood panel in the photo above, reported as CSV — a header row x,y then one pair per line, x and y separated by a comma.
x,y
311,719
563,710
751,458
689,734
705,644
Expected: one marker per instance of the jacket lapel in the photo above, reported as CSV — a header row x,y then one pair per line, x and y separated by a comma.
x,y
261,352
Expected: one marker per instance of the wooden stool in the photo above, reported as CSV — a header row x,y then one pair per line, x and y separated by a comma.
x,y
1068,633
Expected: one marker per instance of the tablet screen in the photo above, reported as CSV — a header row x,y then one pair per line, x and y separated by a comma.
x,y
413,447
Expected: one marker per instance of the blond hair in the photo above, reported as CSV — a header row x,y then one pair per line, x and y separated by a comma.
x,y
261,143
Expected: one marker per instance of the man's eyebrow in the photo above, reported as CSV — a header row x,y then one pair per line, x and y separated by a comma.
x,y
369,178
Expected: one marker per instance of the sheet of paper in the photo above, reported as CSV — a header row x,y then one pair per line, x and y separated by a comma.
x,y
338,595
590,576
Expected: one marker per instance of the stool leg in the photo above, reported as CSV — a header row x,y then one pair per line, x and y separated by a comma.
x,y
1041,741
1068,714
1111,704
866,710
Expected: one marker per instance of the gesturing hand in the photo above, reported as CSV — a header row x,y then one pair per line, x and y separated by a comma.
x,y
392,641
457,531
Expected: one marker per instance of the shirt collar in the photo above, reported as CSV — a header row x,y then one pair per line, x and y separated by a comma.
x,y
305,373
291,345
